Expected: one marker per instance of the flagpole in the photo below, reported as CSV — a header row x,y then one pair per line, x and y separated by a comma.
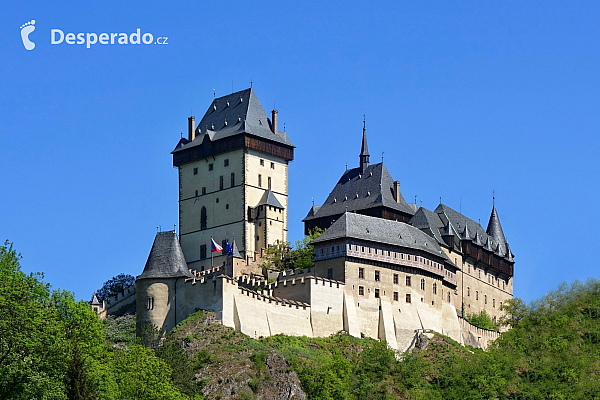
x,y
211,252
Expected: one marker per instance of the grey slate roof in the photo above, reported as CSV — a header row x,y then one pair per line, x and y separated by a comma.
x,y
230,115
464,228
374,187
236,252
494,229
95,301
269,199
379,230
166,258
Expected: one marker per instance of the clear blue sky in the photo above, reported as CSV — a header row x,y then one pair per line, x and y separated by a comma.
x,y
464,99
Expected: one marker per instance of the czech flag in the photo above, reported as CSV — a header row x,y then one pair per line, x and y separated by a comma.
x,y
214,246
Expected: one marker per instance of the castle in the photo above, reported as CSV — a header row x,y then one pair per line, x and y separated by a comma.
x,y
382,268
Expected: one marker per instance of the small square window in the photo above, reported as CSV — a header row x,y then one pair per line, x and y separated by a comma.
x,y
395,296
195,170
272,165
361,291
408,297
210,167
262,163
376,293
226,162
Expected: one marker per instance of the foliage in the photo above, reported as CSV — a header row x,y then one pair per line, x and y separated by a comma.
x,y
482,320
114,286
282,256
183,370
120,331
54,347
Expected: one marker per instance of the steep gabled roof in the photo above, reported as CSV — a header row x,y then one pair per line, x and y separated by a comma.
x,y
269,199
166,258
95,301
429,222
234,114
360,190
379,230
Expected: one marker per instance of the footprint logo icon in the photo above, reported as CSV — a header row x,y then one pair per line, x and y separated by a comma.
x,y
26,29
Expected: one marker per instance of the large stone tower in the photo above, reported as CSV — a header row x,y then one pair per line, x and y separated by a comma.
x,y
233,180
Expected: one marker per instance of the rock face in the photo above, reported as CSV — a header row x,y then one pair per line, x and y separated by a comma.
x,y
235,370
284,383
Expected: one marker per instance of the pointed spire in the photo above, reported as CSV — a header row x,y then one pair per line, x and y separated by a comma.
x,y
488,244
478,239
466,235
494,229
235,252
95,301
364,150
509,254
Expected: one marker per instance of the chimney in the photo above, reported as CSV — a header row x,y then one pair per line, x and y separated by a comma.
x,y
397,191
274,121
191,128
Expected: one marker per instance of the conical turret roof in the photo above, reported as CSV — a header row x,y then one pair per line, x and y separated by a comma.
x,y
166,259
95,301
494,229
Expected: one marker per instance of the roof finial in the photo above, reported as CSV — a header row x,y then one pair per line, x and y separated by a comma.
x,y
440,199
364,150
346,165
382,157
493,198
214,93
284,126
364,123
415,199
250,83
313,201
181,134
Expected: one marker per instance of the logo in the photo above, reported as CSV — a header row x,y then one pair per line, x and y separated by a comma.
x,y
26,29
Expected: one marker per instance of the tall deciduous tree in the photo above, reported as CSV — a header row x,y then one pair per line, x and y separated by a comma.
x,y
115,285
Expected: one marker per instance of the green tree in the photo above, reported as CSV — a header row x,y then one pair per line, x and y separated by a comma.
x,y
141,375
114,286
282,255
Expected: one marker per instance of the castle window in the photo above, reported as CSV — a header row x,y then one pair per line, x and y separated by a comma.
x,y
479,274
434,287
494,303
448,296
361,273
422,284
477,295
376,293
203,218
210,167
272,165
469,268
196,193
217,199
259,180
195,170
203,190
395,279
408,297
485,298
150,304
269,182
203,252
227,206
232,179
262,162
468,292
377,276
408,281
361,290
329,273
395,296
226,162
221,182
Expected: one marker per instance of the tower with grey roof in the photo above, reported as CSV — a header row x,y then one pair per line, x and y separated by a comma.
x,y
233,180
